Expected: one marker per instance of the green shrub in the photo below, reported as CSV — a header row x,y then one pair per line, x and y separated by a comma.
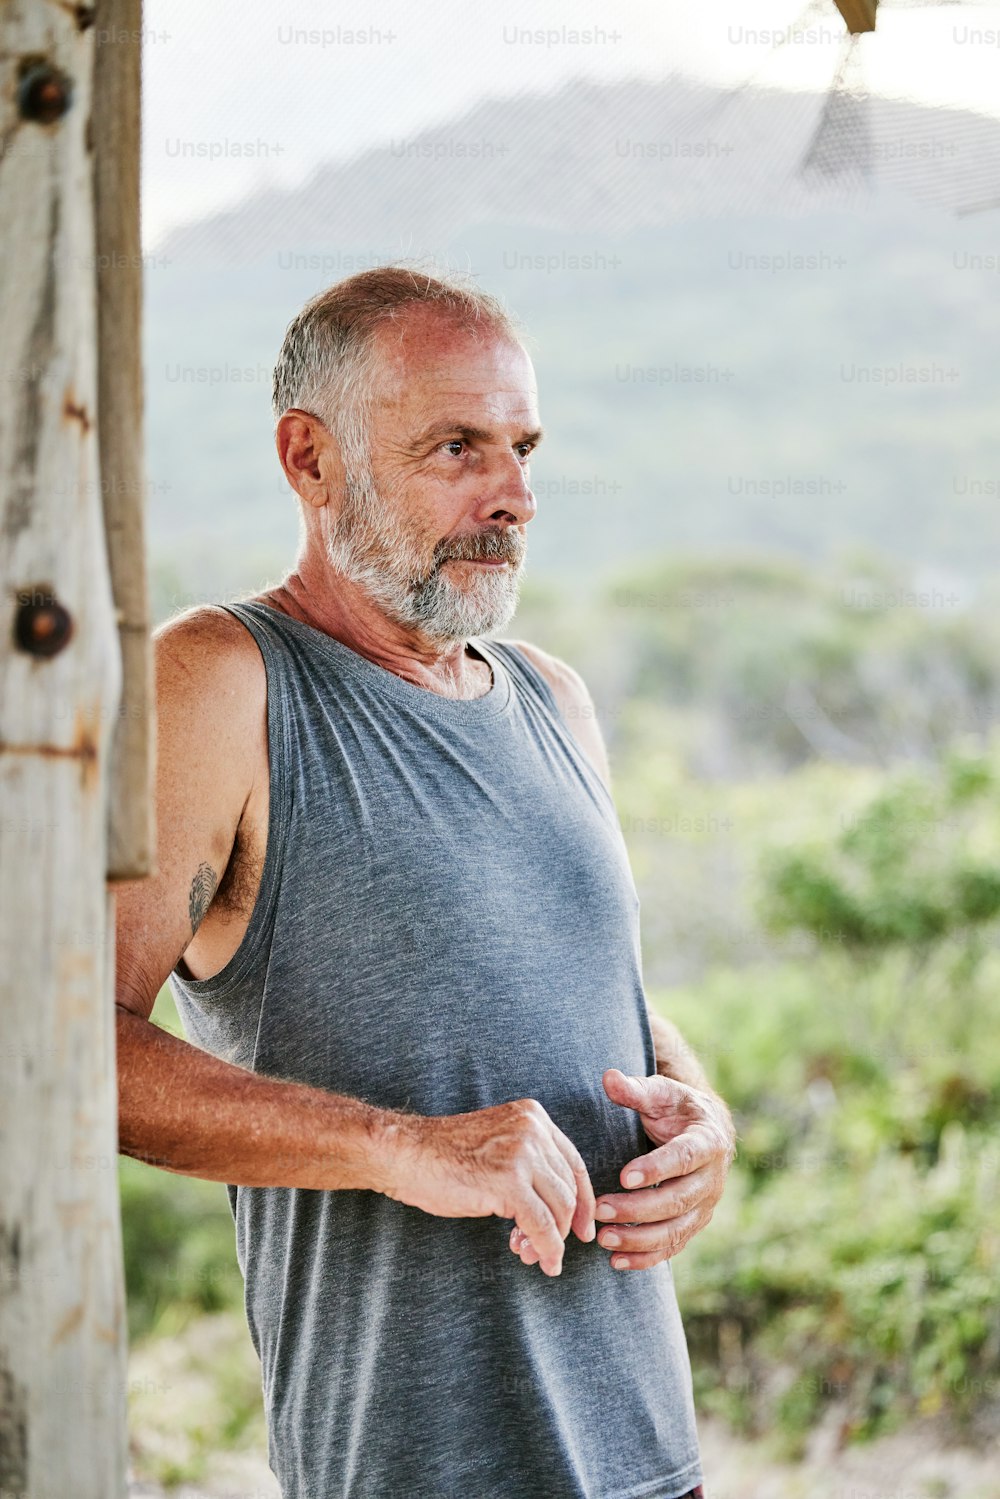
x,y
179,1244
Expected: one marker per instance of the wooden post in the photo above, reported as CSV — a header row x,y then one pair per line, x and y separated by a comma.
x,y
859,15
62,1333
116,139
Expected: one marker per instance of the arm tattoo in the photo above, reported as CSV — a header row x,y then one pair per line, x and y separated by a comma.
x,y
200,896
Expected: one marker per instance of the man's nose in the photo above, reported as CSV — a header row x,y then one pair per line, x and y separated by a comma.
x,y
510,495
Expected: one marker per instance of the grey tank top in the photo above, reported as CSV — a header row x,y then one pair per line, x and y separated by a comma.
x,y
446,920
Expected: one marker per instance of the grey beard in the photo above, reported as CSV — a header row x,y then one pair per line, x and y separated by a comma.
x,y
374,551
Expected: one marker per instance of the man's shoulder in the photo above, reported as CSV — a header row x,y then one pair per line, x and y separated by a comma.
x,y
206,631
205,654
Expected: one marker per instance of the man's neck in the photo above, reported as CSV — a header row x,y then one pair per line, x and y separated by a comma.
x,y
329,602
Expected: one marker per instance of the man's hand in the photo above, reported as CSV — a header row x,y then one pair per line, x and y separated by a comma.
x,y
510,1160
672,1191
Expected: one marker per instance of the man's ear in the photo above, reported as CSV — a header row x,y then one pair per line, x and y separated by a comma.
x,y
310,457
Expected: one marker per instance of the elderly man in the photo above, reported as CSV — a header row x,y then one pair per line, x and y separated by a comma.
x,y
396,910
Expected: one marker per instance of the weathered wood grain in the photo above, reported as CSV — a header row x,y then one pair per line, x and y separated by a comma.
x,y
62,1343
116,140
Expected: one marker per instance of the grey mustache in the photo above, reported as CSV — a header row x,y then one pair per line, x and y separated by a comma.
x,y
506,546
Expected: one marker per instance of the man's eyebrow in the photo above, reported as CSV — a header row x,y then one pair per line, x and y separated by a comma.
x,y
441,430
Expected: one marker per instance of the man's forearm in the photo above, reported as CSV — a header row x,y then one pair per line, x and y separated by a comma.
x,y
187,1111
674,1057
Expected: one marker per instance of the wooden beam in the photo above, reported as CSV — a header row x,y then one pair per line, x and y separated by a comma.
x,y
62,1327
859,15
116,137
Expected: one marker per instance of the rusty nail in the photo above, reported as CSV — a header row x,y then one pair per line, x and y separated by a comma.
x,y
42,629
44,94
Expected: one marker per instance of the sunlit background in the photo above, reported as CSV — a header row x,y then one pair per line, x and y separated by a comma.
x,y
758,264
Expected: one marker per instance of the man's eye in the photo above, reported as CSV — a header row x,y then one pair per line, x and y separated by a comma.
x,y
525,449
455,442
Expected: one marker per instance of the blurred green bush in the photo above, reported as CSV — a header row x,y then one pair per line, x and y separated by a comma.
x,y
856,1255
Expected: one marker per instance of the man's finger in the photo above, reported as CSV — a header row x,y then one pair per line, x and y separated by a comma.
x,y
665,1239
583,1213
648,1095
523,1247
656,1204
535,1220
556,1185
685,1153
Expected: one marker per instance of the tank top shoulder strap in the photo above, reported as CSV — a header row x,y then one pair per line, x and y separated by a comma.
x,y
262,622
530,681
526,676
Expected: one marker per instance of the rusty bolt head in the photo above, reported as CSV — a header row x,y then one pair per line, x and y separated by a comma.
x,y
43,627
44,94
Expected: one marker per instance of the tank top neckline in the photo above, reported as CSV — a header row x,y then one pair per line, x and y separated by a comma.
x,y
492,703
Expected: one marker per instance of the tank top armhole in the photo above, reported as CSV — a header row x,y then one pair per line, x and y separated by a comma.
x,y
278,819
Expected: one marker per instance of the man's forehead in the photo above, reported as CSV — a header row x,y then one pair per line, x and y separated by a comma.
x,y
431,353
447,400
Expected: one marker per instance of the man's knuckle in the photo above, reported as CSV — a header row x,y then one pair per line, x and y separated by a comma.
x,y
684,1155
531,1109
664,1165
541,1218
565,1189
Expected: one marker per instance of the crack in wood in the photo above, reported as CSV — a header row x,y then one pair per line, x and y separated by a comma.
x,y
27,417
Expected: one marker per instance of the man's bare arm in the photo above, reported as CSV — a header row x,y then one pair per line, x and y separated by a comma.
x,y
186,1111
179,1107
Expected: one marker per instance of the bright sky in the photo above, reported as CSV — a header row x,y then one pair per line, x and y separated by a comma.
x,y
299,88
